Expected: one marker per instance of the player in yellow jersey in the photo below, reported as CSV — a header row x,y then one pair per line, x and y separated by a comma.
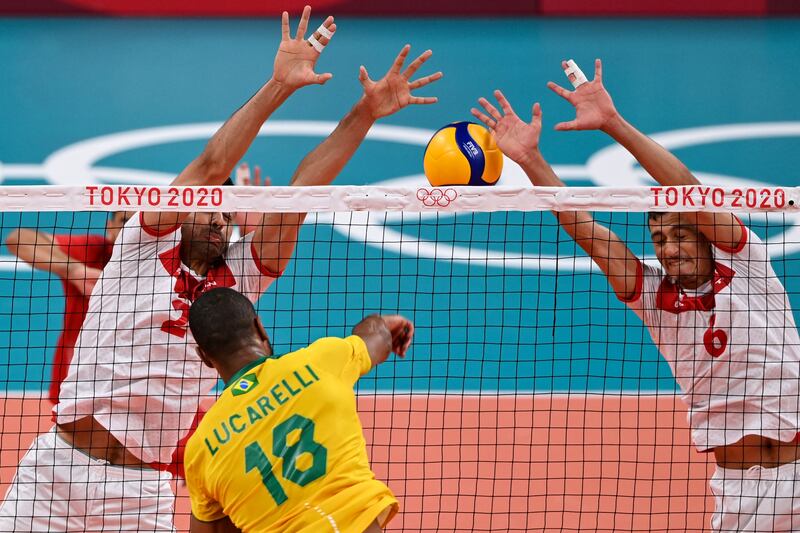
x,y
282,449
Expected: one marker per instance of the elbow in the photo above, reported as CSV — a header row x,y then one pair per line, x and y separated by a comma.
x,y
212,169
212,164
376,336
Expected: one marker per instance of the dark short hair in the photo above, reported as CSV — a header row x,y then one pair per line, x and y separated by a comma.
x,y
654,215
221,321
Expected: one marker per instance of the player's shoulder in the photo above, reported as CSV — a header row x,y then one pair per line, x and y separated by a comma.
x,y
652,270
239,248
136,231
326,345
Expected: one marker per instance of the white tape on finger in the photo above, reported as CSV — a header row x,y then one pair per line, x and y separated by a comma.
x,y
575,74
325,32
318,46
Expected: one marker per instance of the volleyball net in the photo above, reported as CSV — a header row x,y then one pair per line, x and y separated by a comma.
x,y
532,399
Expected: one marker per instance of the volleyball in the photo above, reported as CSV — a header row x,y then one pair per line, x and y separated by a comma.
x,y
462,153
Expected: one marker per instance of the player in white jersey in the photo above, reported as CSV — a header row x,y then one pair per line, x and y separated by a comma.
x,y
715,309
135,381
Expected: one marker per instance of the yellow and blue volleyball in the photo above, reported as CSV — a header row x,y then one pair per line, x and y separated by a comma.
x,y
462,153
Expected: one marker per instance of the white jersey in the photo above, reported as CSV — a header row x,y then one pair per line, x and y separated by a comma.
x,y
732,345
135,368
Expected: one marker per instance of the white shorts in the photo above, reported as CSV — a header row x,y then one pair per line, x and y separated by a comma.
x,y
758,499
59,488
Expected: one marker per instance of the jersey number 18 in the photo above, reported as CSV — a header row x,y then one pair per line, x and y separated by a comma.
x,y
304,443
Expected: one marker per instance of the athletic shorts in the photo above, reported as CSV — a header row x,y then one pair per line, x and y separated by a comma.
x,y
757,499
59,488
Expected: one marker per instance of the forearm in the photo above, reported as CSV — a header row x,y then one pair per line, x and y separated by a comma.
x,y
539,171
325,162
599,242
576,224
662,165
231,141
39,250
605,248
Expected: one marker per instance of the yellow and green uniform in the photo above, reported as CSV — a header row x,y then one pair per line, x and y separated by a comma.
x,y
282,449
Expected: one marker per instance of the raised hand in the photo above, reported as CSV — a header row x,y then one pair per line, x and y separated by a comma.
x,y
296,58
516,138
594,108
393,92
248,222
243,176
402,331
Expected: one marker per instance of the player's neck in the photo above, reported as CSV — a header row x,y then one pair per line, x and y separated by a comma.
x,y
695,282
197,265
239,360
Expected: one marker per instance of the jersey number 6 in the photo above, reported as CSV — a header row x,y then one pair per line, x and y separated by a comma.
x,y
302,443
715,340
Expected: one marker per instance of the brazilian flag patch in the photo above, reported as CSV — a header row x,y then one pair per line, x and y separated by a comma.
x,y
245,384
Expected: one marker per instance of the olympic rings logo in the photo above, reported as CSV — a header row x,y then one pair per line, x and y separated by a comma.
x,y
436,197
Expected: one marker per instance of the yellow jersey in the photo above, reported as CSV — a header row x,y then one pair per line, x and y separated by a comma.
x,y
282,449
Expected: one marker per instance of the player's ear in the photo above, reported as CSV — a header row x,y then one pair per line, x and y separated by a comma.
x,y
203,357
262,335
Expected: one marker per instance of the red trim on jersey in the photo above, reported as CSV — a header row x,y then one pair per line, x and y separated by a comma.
x,y
176,467
261,268
171,260
670,296
637,291
152,231
740,245
187,286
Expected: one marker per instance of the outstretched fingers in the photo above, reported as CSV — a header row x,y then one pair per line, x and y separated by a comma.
x,y
285,26
400,59
536,114
422,82
321,79
303,26
418,62
492,110
363,76
324,39
560,91
417,100
567,126
505,105
489,121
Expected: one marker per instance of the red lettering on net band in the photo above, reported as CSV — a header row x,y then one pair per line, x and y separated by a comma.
x,y
133,197
697,196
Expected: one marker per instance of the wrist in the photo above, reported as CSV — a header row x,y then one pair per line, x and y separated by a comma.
x,y
74,270
362,112
532,158
279,88
614,125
